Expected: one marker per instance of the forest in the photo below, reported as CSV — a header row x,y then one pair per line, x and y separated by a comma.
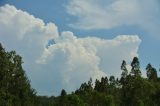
x,y
131,89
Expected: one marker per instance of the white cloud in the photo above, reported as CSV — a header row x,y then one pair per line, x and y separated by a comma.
x,y
25,26
27,35
102,14
70,60
78,59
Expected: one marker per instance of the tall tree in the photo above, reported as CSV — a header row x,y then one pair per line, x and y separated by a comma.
x,y
63,93
15,86
124,69
135,71
124,72
151,72
101,86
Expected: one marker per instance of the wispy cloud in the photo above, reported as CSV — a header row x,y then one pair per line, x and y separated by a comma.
x,y
70,60
102,14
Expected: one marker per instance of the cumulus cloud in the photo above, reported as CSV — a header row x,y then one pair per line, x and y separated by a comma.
x,y
102,14
27,35
82,58
70,60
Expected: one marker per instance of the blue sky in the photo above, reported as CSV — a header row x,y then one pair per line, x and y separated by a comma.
x,y
54,11
121,17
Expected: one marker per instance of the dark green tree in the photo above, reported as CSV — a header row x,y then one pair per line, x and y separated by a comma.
x,y
151,72
63,93
15,87
135,71
124,69
112,80
101,86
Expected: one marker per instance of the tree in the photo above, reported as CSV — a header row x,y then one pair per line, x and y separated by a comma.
x,y
15,87
151,72
63,93
86,87
124,72
101,86
109,101
73,100
124,69
135,71
112,80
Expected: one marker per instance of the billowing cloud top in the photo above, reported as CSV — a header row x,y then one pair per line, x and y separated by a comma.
x,y
70,60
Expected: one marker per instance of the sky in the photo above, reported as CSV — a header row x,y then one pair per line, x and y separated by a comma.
x,y
65,42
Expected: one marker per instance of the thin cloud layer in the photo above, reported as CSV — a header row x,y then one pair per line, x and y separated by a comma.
x,y
67,62
107,14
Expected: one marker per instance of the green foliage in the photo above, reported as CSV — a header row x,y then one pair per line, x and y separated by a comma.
x,y
101,86
109,100
63,93
72,100
15,88
135,71
124,69
151,73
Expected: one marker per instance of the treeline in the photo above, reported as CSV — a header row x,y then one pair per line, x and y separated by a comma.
x,y
131,89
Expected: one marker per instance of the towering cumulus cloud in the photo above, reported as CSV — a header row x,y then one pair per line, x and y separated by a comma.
x,y
67,62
